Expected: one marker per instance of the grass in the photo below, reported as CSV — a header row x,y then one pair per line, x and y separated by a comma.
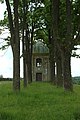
x,y
39,101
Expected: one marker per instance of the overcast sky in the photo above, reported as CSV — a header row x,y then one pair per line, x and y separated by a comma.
x,y
6,63
6,58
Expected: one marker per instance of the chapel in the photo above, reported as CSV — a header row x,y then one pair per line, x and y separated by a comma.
x,y
40,62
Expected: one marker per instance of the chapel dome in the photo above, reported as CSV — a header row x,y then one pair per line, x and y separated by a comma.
x,y
40,47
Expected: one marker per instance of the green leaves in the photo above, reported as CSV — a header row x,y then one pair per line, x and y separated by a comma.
x,y
5,44
2,1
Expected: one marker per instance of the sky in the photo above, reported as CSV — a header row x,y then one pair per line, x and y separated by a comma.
x,y
75,67
6,57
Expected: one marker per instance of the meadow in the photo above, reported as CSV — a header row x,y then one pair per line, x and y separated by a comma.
x,y
39,101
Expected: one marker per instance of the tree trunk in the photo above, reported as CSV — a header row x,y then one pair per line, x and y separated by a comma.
x,y
27,59
28,55
67,50
67,79
55,29
52,70
16,70
51,57
31,50
59,77
24,58
16,51
15,43
24,43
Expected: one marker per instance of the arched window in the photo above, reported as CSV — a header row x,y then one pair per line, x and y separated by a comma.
x,y
38,62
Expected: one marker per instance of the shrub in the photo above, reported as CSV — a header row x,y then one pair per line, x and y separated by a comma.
x,y
5,79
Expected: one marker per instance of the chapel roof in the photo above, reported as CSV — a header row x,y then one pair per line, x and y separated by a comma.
x,y
40,47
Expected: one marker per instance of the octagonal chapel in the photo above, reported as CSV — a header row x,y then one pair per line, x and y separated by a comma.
x,y
40,62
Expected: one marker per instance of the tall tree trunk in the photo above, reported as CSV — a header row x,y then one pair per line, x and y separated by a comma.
x,y
52,70
67,80
15,43
24,59
31,50
16,52
16,70
24,42
51,57
27,42
67,50
55,25
29,61
27,58
59,77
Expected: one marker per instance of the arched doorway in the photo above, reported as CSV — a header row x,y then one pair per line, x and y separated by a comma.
x,y
38,76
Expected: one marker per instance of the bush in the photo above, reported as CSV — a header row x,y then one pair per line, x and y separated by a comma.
x,y
5,79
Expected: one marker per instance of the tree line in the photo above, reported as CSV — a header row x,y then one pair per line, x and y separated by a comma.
x,y
56,22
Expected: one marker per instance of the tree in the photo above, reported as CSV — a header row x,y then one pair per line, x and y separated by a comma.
x,y
67,49
25,41
15,42
55,40
62,48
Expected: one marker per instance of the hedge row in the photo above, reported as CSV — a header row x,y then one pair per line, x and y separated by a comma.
x,y
6,79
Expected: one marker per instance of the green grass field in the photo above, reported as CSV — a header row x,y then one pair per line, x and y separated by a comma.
x,y
39,101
